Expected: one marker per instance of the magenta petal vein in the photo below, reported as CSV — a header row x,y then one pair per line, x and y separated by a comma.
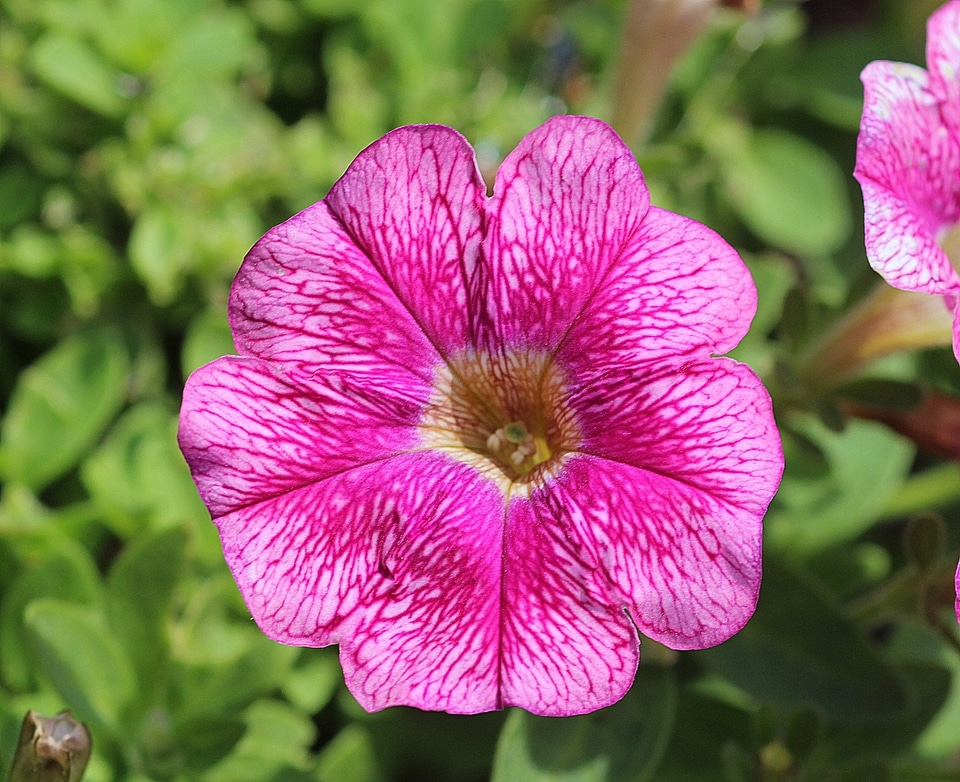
x,y
480,442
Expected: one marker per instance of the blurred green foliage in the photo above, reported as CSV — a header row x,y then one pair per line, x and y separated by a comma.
x,y
146,144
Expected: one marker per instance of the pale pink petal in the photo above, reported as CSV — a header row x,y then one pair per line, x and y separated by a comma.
x,y
907,161
306,295
565,203
943,58
398,562
412,202
250,432
707,423
568,646
677,289
901,243
684,564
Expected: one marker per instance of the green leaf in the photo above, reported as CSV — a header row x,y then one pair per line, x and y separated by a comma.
x,y
932,488
799,648
20,192
66,572
712,729
867,465
83,661
205,742
774,277
623,742
78,72
160,252
313,682
332,9
138,474
209,47
276,742
807,459
260,667
932,668
350,757
789,192
60,405
928,686
208,337
139,589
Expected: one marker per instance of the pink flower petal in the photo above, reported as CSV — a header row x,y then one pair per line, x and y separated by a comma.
x,y
250,432
398,562
707,423
906,163
659,299
412,202
684,564
565,203
681,464
568,646
943,58
307,295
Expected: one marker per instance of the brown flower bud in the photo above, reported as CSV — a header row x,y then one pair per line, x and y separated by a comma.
x,y
51,749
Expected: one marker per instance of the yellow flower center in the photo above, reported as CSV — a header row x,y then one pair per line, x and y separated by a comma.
x,y
506,415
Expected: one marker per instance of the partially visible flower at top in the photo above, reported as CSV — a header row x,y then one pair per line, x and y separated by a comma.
x,y
908,164
481,442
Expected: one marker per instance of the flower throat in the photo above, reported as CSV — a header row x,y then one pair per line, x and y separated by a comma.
x,y
506,415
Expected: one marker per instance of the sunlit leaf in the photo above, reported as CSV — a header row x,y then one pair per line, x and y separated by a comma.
x,y
60,405
78,72
276,742
83,661
137,474
67,572
349,757
867,464
789,192
139,590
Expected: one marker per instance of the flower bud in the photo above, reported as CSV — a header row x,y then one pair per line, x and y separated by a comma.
x,y
51,749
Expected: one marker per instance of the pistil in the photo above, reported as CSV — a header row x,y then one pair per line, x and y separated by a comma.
x,y
521,448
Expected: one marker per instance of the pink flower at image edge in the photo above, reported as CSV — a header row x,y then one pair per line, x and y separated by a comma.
x,y
908,164
481,442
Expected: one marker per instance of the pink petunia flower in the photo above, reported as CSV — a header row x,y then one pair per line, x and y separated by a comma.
x,y
908,164
481,442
